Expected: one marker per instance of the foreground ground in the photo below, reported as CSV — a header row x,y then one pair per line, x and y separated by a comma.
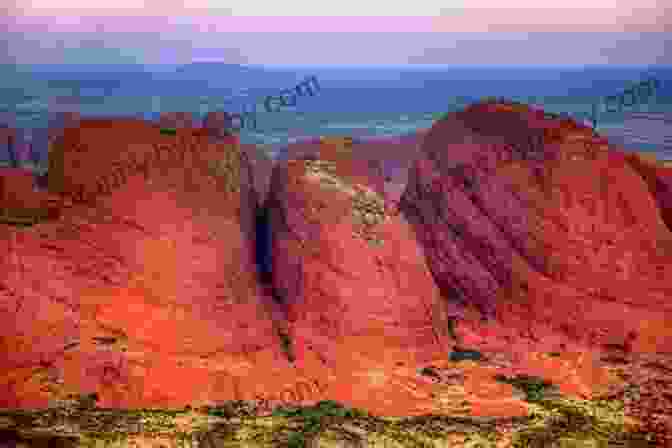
x,y
630,415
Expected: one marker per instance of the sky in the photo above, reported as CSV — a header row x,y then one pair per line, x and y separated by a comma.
x,y
372,32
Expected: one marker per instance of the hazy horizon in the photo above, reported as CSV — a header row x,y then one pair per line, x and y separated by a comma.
x,y
297,34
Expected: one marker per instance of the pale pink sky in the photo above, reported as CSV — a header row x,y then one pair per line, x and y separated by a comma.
x,y
293,32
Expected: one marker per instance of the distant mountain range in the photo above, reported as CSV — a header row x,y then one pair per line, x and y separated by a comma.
x,y
214,74
236,74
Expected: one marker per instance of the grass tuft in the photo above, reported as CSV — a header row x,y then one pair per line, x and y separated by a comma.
x,y
168,131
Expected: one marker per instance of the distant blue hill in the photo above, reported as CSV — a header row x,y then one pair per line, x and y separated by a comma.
x,y
236,75
80,68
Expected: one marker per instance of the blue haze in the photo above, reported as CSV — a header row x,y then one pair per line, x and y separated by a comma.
x,y
352,101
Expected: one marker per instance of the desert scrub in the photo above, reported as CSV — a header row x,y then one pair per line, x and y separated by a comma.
x,y
432,431
312,420
240,409
577,423
368,208
430,371
323,409
24,217
535,388
168,131
342,144
324,171
226,171
95,426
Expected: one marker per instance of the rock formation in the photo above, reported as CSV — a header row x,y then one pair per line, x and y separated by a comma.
x,y
396,156
262,167
142,286
390,157
658,179
8,138
218,124
352,277
20,203
542,227
177,120
145,291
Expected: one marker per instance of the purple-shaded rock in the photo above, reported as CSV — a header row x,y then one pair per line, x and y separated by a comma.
x,y
538,216
218,124
177,120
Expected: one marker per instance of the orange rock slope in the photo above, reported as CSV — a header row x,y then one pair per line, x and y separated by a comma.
x,y
523,235
147,283
658,178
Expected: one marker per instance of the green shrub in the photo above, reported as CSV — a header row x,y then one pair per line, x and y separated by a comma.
x,y
168,131
534,387
430,371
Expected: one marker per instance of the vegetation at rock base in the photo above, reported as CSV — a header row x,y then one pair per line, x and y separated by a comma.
x,y
552,423
314,419
534,387
579,423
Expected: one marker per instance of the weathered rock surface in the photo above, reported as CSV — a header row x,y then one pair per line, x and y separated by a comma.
x,y
177,120
147,295
145,291
390,157
354,280
658,178
20,202
218,124
15,185
396,155
535,222
262,168
8,139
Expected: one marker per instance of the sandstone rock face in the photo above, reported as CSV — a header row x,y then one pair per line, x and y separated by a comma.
x,y
177,120
352,277
146,290
15,185
262,168
59,121
146,294
20,202
218,124
658,179
396,155
542,228
298,150
8,138
390,157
